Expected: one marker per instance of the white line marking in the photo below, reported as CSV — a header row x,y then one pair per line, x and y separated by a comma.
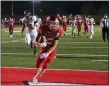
x,y
100,60
56,69
59,42
14,31
57,54
60,47
46,83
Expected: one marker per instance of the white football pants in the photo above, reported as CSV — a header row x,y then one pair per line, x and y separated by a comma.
x,y
31,35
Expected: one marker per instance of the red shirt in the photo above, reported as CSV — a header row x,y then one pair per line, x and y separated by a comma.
x,y
47,20
50,35
11,21
64,22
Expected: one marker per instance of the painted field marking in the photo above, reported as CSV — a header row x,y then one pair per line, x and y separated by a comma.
x,y
56,54
57,69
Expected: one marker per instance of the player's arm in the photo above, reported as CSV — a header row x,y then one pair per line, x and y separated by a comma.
x,y
101,23
44,55
39,38
93,21
55,43
59,17
36,43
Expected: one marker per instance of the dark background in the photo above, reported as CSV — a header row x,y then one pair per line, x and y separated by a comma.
x,y
62,7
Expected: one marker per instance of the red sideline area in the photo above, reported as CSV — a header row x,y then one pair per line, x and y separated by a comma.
x,y
16,76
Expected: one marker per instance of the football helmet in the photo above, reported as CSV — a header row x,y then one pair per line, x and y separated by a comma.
x,y
54,22
27,13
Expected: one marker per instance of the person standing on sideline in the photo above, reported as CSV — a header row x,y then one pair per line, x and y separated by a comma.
x,y
104,23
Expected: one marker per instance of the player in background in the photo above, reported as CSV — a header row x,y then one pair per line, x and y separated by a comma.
x,y
86,25
47,20
73,25
79,24
51,34
6,23
23,25
69,21
91,26
70,17
64,22
2,23
38,23
11,26
26,13
31,29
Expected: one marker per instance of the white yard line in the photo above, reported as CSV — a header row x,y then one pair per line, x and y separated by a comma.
x,y
71,47
56,54
14,31
100,60
56,69
22,40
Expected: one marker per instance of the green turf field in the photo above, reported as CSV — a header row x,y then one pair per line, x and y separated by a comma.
x,y
72,53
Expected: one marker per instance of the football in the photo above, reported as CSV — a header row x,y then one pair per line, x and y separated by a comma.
x,y
42,39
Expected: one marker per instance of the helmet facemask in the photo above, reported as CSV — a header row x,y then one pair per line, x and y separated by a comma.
x,y
54,25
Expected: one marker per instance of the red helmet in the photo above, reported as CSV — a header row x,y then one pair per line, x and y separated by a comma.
x,y
54,22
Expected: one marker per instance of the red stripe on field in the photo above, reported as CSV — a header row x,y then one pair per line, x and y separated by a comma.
x,y
16,76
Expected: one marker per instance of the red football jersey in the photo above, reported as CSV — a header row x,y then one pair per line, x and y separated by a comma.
x,y
50,35
11,21
64,22
47,20
79,21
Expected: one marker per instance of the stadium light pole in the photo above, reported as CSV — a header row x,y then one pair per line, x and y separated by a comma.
x,y
33,7
12,8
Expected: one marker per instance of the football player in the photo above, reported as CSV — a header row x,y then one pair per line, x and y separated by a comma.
x,y
73,25
79,24
47,54
91,26
24,21
86,25
31,29
11,26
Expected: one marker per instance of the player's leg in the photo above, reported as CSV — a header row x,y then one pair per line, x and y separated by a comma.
x,y
27,38
10,31
92,31
107,33
33,38
86,31
103,33
78,30
40,69
75,31
43,66
64,28
23,28
72,30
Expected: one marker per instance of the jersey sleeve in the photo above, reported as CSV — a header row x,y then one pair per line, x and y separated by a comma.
x,y
40,29
59,33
